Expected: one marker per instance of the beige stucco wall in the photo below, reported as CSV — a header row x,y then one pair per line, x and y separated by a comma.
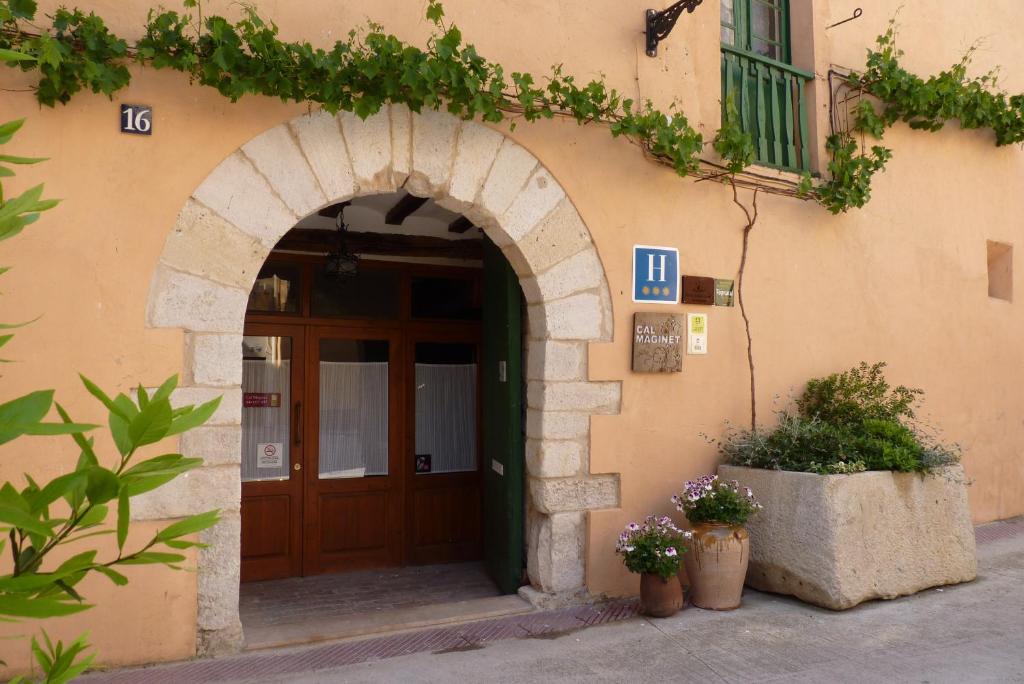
x,y
903,280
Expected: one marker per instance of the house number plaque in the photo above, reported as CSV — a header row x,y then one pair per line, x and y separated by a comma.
x,y
137,119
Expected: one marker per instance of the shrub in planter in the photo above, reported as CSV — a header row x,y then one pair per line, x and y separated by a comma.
x,y
846,423
717,564
862,501
653,550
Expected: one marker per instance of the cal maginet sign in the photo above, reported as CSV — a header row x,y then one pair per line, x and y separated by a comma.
x,y
657,343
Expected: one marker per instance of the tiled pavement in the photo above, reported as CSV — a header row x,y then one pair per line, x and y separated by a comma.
x,y
293,661
280,602
283,662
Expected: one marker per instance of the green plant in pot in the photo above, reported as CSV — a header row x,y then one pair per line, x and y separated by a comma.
x,y
717,562
654,550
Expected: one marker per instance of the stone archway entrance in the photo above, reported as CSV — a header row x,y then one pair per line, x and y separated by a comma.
x,y
234,218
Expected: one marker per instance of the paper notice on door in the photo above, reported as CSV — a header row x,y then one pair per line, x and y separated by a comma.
x,y
269,455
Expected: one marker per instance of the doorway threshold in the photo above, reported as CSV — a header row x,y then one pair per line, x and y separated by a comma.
x,y
386,622
351,605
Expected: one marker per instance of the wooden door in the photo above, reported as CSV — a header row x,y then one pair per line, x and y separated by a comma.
x,y
443,506
354,479
502,417
272,451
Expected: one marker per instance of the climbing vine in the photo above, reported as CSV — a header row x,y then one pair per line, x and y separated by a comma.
x,y
371,69
898,95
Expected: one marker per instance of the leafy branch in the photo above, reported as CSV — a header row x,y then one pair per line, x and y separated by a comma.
x,y
923,104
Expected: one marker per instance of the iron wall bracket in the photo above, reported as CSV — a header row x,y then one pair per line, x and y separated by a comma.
x,y
659,24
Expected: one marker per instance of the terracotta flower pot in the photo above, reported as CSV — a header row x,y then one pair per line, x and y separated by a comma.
x,y
716,564
660,597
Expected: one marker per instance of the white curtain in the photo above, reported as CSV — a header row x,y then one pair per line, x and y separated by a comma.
x,y
353,419
266,425
446,416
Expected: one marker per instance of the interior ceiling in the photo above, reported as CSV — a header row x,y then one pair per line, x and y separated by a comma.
x,y
367,214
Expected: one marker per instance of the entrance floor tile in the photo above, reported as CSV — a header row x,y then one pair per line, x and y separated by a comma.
x,y
306,609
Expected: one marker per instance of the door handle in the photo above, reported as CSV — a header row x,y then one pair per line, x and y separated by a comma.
x,y
297,427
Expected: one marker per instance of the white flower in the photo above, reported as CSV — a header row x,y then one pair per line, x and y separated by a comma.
x,y
670,551
630,549
633,527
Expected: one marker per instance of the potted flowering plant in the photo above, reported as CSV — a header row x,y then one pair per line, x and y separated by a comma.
x,y
653,550
717,565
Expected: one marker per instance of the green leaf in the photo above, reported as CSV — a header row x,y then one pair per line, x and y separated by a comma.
x,y
17,606
191,525
102,485
76,563
115,577
194,418
95,391
50,429
94,516
21,160
8,129
14,517
22,9
18,415
119,432
151,557
12,56
152,423
164,391
57,488
84,444
123,517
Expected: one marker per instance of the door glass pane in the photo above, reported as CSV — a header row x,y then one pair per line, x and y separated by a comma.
x,y
446,408
367,294
266,407
447,298
353,408
276,289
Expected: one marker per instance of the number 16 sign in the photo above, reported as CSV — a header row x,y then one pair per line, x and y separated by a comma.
x,y
137,119
655,274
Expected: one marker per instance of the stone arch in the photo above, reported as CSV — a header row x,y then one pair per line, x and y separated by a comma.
x,y
233,219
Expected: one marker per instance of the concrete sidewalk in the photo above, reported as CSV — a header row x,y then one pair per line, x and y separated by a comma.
x,y
967,633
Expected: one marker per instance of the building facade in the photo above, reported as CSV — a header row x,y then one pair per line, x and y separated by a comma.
x,y
148,268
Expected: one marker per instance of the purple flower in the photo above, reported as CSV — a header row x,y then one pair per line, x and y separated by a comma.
x,y
670,551
633,527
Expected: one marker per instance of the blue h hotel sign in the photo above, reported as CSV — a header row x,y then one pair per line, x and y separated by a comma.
x,y
655,274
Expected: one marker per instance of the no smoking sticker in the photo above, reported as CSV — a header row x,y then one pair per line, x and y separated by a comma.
x,y
269,455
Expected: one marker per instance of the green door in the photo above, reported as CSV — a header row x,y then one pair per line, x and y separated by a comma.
x,y
502,421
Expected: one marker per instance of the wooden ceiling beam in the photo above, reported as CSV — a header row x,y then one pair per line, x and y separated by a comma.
x,y
403,209
460,225
380,244
333,210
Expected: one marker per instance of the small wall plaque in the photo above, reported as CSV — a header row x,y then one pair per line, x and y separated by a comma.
x,y
423,463
698,290
697,333
657,343
725,291
655,274
137,119
261,399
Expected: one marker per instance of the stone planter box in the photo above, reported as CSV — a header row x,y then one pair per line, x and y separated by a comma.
x,y
838,540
